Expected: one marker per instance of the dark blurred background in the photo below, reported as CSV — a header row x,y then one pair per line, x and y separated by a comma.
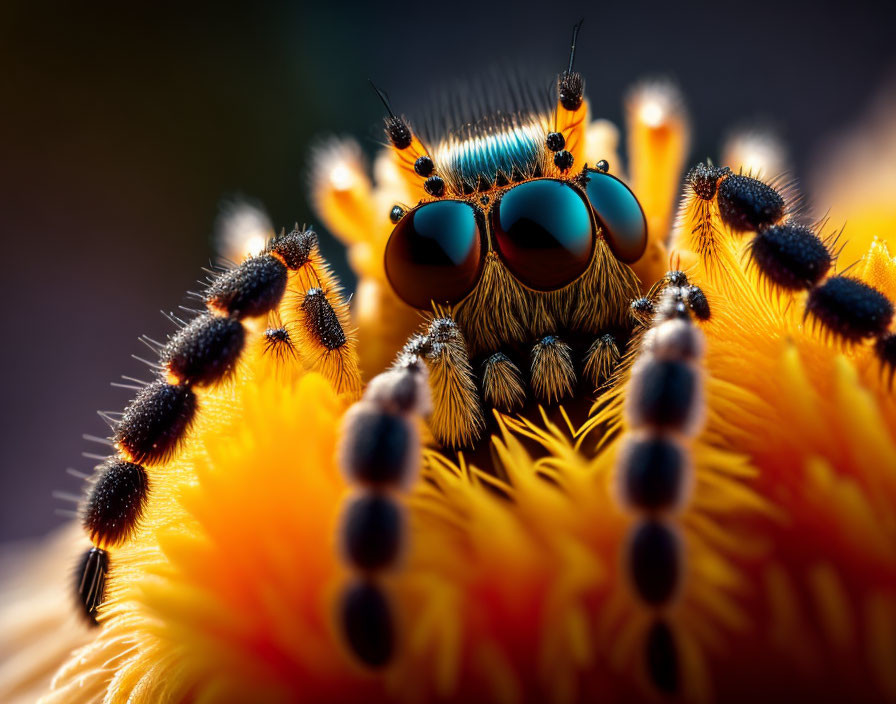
x,y
121,130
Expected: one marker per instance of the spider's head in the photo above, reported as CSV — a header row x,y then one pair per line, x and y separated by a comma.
x,y
512,229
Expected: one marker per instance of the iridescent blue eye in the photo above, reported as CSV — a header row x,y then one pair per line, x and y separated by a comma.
x,y
618,213
543,233
435,253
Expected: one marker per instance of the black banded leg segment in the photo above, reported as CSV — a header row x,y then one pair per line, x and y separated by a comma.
x,y
155,422
653,472
380,453
323,328
747,203
91,581
654,562
205,351
661,657
372,531
850,309
253,288
321,321
115,502
378,446
664,396
367,623
790,256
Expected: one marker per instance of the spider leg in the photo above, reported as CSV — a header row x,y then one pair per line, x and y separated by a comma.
x,y
91,584
502,384
326,340
200,355
380,453
664,407
788,255
319,314
601,360
457,419
643,309
691,295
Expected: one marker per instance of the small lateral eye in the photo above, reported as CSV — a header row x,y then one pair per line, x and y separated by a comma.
x,y
435,254
543,233
618,213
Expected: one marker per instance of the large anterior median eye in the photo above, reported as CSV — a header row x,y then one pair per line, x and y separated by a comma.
x,y
543,233
435,253
619,214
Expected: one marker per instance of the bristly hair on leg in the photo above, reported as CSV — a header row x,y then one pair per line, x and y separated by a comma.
x,y
279,344
601,360
502,384
317,312
698,214
552,372
457,420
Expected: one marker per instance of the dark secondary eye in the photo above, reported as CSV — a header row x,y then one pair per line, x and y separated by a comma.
x,y
544,234
619,214
435,253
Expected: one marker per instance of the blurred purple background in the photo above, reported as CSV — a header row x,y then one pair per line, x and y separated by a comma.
x,y
122,130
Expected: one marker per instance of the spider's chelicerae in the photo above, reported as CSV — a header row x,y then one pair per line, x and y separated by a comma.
x,y
543,279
